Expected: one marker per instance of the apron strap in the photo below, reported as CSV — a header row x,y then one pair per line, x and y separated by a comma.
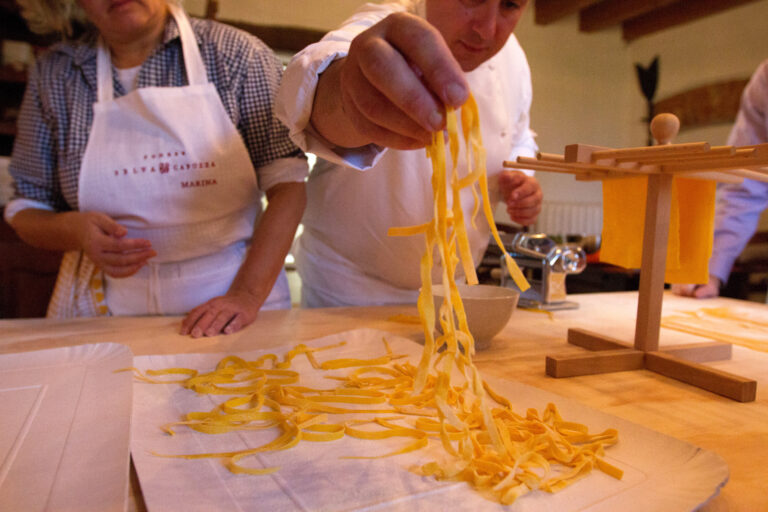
x,y
104,91
193,61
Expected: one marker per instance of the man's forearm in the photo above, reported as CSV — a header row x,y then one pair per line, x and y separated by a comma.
x,y
272,238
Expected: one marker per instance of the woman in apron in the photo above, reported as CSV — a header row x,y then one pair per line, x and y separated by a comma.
x,y
143,151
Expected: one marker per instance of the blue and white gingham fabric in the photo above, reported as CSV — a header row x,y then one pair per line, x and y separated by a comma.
x,y
56,114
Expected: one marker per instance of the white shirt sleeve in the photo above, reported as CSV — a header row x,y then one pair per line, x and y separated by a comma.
x,y
283,170
16,205
297,90
739,205
525,145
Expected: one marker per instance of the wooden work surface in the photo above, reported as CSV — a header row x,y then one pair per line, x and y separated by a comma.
x,y
736,431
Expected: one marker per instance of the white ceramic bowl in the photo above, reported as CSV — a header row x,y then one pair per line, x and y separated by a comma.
x,y
488,308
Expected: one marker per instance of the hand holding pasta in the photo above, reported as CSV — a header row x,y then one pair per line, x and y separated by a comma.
x,y
391,87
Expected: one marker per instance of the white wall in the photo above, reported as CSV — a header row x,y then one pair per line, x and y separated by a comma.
x,y
580,95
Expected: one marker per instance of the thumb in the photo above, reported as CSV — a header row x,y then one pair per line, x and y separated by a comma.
x,y
508,181
109,227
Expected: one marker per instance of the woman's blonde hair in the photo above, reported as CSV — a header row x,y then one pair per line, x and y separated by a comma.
x,y
55,16
52,16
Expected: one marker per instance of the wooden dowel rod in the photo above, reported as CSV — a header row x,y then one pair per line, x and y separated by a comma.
x,y
542,167
751,174
525,162
724,150
705,161
715,164
550,157
722,177
581,173
539,165
712,155
668,149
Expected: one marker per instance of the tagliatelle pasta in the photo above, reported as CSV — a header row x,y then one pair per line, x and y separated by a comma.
x,y
443,399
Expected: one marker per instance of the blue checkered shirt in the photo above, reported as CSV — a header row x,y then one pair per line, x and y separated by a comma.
x,y
57,110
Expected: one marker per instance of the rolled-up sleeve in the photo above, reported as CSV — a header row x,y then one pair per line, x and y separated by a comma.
x,y
738,211
276,158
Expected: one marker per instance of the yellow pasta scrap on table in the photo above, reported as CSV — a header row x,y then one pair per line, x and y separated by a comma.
x,y
728,325
501,453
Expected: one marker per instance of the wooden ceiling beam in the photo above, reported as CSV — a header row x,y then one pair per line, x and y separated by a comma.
x,y
548,11
608,13
716,103
289,39
680,12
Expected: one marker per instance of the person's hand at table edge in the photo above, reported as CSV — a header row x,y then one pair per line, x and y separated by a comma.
x,y
698,291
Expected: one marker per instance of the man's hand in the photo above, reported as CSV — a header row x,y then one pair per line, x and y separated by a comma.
x,y
523,196
102,239
391,88
698,291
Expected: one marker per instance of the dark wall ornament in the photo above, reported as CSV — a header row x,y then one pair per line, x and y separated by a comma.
x,y
648,77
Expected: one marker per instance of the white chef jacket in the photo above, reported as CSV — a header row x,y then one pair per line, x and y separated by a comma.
x,y
344,256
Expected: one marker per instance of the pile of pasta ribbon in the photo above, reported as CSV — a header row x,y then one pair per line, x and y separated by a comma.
x,y
443,399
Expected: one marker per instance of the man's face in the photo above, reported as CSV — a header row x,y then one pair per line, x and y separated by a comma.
x,y
474,29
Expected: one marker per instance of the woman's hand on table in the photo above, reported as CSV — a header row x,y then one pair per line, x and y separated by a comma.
x,y
222,315
272,235
103,240
522,195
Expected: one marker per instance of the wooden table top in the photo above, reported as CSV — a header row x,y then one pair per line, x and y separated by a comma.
x,y
738,432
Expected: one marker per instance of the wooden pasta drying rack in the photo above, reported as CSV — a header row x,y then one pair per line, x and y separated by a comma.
x,y
660,164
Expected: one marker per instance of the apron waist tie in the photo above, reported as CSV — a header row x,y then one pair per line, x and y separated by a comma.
x,y
174,288
154,307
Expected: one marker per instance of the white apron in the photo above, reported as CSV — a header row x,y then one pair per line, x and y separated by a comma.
x,y
168,164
